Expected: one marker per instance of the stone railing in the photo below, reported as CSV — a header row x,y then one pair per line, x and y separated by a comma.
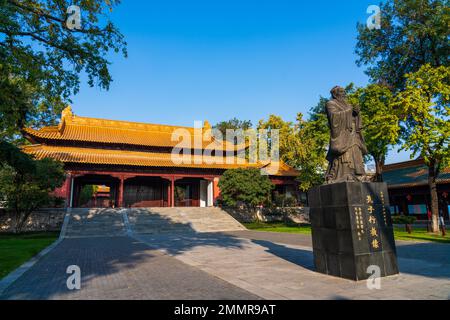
x,y
297,214
41,220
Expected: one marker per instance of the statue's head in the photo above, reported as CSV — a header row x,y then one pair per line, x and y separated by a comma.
x,y
338,93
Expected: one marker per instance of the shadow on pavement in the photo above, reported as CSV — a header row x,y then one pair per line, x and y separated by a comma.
x,y
111,264
300,257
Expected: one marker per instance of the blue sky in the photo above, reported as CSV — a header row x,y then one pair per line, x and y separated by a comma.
x,y
214,60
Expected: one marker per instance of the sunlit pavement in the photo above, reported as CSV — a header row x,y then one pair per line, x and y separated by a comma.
x,y
234,265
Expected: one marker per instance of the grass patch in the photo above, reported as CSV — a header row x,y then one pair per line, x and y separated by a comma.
x,y
18,249
279,227
418,235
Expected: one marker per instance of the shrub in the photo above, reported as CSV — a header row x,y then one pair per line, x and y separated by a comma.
x,y
248,186
404,219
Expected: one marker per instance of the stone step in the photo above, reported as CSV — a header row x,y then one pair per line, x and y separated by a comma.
x,y
95,223
110,222
157,220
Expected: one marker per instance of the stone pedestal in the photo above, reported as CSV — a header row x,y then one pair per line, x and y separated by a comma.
x,y
352,230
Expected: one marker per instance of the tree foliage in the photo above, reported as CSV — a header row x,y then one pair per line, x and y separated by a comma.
x,y
41,62
312,163
248,186
424,108
413,33
290,145
26,189
86,194
233,124
303,145
41,59
381,127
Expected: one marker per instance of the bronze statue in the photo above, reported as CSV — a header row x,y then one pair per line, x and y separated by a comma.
x,y
347,145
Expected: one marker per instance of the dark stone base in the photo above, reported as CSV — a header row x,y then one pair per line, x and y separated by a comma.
x,y
352,230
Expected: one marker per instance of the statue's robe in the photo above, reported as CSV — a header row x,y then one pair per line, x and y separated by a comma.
x,y
347,146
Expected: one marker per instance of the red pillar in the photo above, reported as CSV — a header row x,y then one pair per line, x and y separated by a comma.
x,y
168,195
216,189
68,190
120,202
172,193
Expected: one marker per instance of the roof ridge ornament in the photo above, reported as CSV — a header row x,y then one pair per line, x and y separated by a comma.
x,y
66,115
206,125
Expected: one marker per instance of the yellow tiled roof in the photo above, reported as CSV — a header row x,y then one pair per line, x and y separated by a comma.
x,y
280,169
138,159
83,129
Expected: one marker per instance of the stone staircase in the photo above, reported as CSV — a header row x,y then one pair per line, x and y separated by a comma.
x,y
181,220
85,223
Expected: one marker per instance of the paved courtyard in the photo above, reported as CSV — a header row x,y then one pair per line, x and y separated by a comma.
x,y
118,268
220,266
280,266
165,254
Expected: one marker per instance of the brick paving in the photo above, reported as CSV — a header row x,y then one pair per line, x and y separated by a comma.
x,y
182,263
280,266
118,268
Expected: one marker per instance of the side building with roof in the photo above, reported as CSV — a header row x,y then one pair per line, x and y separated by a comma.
x,y
112,163
409,192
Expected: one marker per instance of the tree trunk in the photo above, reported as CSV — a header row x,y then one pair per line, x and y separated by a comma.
x,y
17,226
408,228
434,199
379,163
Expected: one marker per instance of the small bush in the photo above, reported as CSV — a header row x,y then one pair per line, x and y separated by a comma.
x,y
404,219
246,186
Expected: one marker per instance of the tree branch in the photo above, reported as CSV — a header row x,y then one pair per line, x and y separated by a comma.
x,y
35,11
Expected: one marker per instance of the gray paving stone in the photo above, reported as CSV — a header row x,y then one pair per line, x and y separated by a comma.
x,y
172,256
284,269
118,268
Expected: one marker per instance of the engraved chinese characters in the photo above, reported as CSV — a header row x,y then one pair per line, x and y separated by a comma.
x,y
371,221
352,229
374,240
359,223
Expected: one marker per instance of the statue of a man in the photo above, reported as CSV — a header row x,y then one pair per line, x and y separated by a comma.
x,y
347,146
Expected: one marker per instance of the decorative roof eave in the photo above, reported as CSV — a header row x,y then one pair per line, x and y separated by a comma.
x,y
402,165
140,159
416,184
112,132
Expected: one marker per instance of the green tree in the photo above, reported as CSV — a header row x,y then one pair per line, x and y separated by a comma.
x,y
245,185
40,65
41,59
233,124
312,163
12,156
424,108
413,33
303,144
26,189
290,145
86,194
381,126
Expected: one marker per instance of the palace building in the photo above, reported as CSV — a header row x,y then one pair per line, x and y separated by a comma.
x,y
113,163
